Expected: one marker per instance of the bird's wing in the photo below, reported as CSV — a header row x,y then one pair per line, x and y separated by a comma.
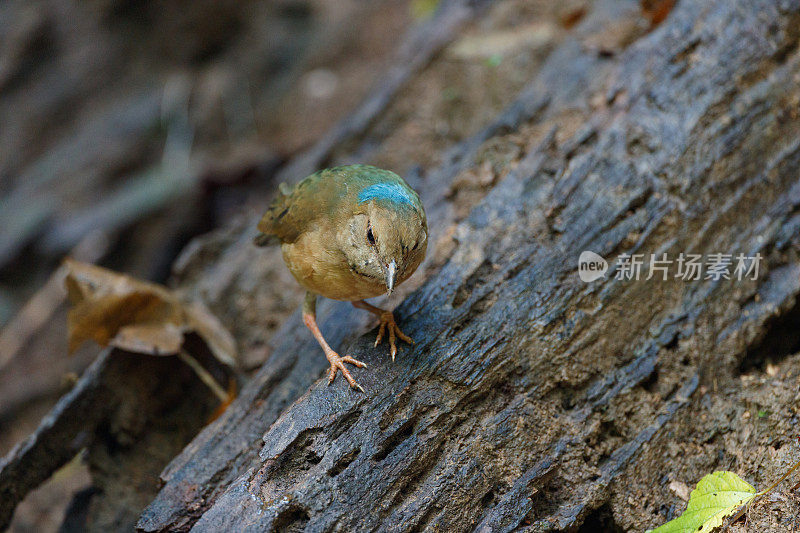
x,y
327,197
277,224
296,208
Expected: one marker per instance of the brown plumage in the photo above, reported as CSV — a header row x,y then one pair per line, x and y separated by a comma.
x,y
348,233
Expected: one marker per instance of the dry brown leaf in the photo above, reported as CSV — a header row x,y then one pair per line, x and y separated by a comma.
x,y
155,339
118,310
232,393
570,18
657,10
216,337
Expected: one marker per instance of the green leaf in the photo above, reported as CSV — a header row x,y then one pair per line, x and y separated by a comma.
x,y
494,60
716,497
423,9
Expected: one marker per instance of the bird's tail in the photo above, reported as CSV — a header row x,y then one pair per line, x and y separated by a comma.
x,y
273,226
262,239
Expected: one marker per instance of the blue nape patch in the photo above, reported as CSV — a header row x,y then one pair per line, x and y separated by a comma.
x,y
392,192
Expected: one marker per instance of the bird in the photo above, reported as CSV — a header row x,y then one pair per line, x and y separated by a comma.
x,y
348,233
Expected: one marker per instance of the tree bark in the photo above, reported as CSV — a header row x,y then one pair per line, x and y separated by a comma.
x,y
128,415
530,398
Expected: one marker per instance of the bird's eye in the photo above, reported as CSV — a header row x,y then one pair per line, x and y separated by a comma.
x,y
370,236
416,245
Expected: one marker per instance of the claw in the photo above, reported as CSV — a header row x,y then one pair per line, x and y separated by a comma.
x,y
380,333
388,324
337,364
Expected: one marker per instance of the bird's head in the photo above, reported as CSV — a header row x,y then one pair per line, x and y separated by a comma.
x,y
385,241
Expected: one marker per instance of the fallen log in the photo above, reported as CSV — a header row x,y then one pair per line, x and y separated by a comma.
x,y
530,397
128,414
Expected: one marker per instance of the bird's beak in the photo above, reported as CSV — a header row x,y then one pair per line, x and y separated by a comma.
x,y
390,272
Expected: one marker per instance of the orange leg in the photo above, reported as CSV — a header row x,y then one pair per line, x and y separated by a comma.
x,y
387,324
337,362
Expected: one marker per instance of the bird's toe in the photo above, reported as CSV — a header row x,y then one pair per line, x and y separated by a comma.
x,y
388,324
337,364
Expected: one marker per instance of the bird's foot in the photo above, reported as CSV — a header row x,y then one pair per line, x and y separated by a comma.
x,y
388,324
337,364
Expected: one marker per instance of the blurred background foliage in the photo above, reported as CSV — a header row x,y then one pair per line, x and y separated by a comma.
x,y
119,112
